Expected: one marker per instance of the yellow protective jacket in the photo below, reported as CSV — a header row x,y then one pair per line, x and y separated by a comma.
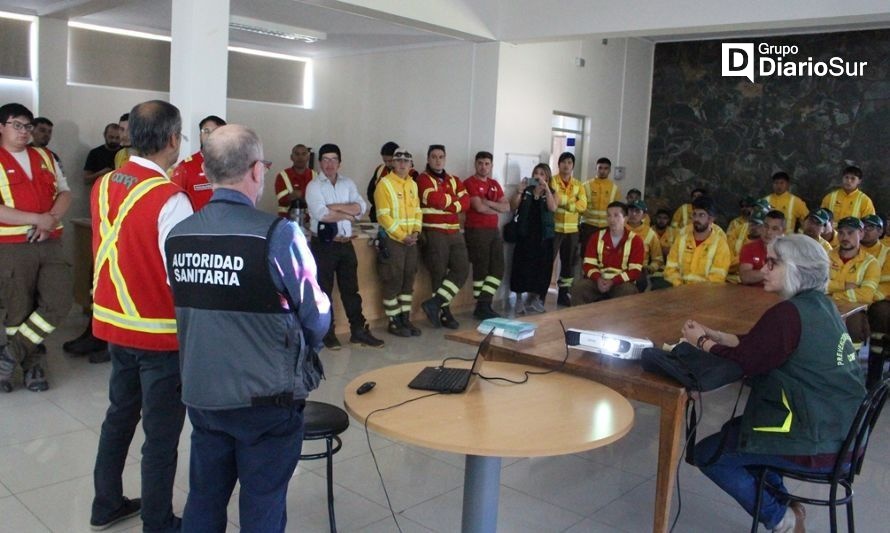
x,y
682,216
688,263
600,192
653,259
880,251
856,204
571,202
398,206
667,239
794,207
862,270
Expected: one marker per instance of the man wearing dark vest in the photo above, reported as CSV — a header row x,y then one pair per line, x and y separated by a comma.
x,y
36,294
133,209
443,198
251,319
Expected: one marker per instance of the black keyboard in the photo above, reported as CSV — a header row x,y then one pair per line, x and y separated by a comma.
x,y
441,379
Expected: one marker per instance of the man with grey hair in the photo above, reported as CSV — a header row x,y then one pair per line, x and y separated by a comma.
x,y
251,318
133,210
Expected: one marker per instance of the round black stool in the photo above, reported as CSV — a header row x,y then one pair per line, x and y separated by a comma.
x,y
325,421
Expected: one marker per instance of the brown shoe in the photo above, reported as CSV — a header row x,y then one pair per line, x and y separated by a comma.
x,y
800,516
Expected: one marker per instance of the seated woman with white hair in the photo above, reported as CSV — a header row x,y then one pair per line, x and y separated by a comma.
x,y
805,381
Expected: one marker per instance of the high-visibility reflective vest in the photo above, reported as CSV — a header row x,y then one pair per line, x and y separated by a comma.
x,y
880,252
600,192
286,182
855,204
132,303
794,207
442,201
621,262
653,258
571,202
398,206
691,263
862,270
34,195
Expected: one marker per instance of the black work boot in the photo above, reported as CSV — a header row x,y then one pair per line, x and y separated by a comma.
x,y
447,319
330,340
414,330
562,298
431,310
484,311
397,328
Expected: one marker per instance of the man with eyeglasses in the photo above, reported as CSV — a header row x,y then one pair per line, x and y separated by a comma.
x,y
334,204
36,294
290,183
133,209
189,173
250,323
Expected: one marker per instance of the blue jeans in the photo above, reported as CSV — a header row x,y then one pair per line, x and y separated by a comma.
x,y
260,447
147,383
734,472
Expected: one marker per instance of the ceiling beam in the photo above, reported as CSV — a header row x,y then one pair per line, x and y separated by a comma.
x,y
69,9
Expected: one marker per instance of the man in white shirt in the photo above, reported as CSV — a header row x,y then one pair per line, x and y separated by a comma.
x,y
334,204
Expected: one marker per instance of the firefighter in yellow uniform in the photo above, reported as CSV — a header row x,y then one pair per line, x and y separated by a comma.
x,y
571,201
666,234
699,253
600,192
793,206
849,200
653,259
400,218
683,215
854,275
814,225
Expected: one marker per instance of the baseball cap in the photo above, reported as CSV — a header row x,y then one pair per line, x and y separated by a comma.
x,y
639,204
850,222
762,204
820,215
757,218
873,220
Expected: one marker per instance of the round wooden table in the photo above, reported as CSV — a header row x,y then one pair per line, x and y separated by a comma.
x,y
552,414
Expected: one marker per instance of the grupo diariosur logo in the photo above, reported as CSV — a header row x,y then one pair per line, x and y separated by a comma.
x,y
739,59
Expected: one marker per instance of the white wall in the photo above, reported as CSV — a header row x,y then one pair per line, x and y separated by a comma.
x,y
537,79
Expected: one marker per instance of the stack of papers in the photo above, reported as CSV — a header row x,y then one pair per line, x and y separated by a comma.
x,y
509,329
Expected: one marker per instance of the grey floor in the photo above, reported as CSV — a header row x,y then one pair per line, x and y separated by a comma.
x,y
48,445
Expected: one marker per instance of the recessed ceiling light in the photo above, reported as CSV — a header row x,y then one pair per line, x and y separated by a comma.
x,y
270,29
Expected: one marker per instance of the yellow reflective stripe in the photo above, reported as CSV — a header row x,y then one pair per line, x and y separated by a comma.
x,y
614,194
786,426
489,289
13,230
710,260
832,199
857,205
283,209
288,188
47,160
448,284
394,199
5,192
406,297
427,192
107,252
39,321
30,334
143,324
10,331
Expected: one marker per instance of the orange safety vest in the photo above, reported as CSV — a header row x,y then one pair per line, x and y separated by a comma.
x,y
35,195
132,302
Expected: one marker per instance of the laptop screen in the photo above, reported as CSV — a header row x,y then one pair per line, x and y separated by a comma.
x,y
483,347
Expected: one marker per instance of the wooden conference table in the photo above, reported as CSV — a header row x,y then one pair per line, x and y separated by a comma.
x,y
492,419
658,316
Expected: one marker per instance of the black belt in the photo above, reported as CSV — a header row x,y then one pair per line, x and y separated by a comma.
x,y
285,399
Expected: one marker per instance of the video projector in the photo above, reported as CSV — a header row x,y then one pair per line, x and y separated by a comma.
x,y
611,344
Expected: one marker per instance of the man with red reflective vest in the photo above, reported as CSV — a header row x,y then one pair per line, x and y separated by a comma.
x,y
613,260
36,294
189,173
290,183
485,247
133,209
442,199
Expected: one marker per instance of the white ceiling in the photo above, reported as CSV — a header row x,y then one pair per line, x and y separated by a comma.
x,y
357,26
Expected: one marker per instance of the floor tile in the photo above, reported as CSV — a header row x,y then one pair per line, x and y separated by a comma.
x,y
16,517
23,422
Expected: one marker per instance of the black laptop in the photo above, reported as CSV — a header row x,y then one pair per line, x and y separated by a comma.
x,y
450,380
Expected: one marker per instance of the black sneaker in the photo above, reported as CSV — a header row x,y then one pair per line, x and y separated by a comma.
x,y
35,379
85,345
99,357
128,509
484,311
363,336
414,330
331,342
563,299
447,319
431,310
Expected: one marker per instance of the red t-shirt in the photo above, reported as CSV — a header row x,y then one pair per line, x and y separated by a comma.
x,y
488,189
190,176
754,254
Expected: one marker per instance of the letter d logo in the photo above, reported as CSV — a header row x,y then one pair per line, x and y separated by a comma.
x,y
738,60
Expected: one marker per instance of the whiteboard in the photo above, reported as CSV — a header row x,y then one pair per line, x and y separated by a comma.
x,y
520,166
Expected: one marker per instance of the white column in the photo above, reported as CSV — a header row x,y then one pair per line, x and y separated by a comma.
x,y
198,63
52,69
